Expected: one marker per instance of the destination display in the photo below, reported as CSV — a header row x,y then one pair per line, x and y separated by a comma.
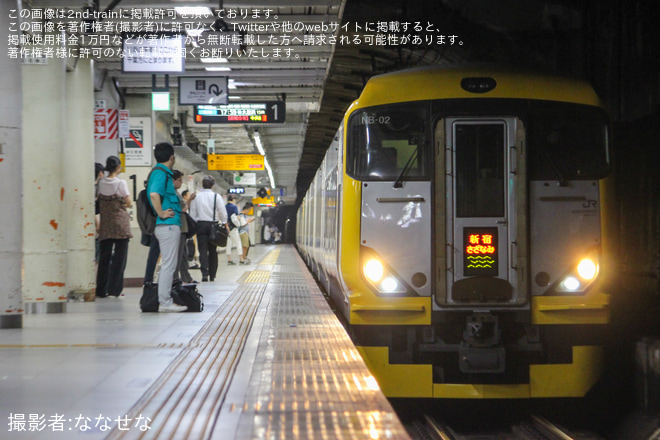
x,y
270,112
480,251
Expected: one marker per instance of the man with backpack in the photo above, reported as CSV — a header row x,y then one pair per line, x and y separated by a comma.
x,y
165,204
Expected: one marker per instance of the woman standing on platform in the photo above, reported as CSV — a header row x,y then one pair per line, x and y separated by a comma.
x,y
114,230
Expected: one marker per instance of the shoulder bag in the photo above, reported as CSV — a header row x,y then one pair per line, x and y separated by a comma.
x,y
192,225
219,233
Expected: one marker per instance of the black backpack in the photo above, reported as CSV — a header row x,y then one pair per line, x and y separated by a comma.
x,y
187,295
149,299
146,216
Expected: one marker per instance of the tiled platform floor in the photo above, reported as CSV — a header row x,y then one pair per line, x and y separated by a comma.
x,y
265,360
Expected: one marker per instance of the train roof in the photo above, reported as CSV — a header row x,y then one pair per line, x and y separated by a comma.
x,y
440,82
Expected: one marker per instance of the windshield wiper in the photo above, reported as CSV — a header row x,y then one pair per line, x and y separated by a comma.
x,y
553,166
398,183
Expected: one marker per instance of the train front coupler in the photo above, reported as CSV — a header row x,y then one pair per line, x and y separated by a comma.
x,y
481,350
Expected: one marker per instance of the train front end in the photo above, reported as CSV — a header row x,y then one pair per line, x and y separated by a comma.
x,y
471,242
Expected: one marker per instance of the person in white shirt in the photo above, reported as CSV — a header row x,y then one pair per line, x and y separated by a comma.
x,y
201,210
244,230
234,240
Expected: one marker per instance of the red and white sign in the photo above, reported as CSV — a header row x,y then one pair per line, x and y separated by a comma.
x,y
124,124
105,123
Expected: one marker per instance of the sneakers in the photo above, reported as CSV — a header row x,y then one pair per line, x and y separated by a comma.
x,y
172,308
245,262
231,263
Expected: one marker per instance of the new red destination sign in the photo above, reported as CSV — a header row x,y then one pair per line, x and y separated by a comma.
x,y
480,244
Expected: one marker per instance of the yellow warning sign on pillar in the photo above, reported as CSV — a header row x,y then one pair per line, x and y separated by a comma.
x,y
264,201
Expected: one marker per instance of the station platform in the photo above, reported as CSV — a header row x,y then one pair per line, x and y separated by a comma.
x,y
266,359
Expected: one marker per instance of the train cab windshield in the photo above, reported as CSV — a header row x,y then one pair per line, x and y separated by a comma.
x,y
388,143
567,142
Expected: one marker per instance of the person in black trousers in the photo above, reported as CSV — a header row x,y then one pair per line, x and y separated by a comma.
x,y
114,230
201,210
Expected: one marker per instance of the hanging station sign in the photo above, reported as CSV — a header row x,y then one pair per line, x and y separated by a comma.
x,y
202,90
270,112
235,162
158,52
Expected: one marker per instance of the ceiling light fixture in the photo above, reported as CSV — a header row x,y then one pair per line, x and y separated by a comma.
x,y
270,173
257,142
194,33
260,147
214,60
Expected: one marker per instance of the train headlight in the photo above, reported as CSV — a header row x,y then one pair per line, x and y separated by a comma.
x,y
569,284
382,278
587,269
578,279
389,285
373,270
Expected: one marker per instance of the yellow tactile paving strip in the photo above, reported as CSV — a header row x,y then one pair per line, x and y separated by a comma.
x,y
271,258
255,276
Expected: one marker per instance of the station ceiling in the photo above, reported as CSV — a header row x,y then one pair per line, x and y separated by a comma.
x,y
288,54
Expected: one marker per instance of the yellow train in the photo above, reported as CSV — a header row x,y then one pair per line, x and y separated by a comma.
x,y
456,224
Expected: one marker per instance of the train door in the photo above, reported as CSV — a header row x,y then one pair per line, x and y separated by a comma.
x,y
481,191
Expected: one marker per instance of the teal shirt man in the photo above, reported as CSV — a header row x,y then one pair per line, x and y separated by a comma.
x,y
161,183
165,202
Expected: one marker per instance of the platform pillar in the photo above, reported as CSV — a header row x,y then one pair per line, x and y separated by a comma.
x,y
44,165
11,215
79,184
